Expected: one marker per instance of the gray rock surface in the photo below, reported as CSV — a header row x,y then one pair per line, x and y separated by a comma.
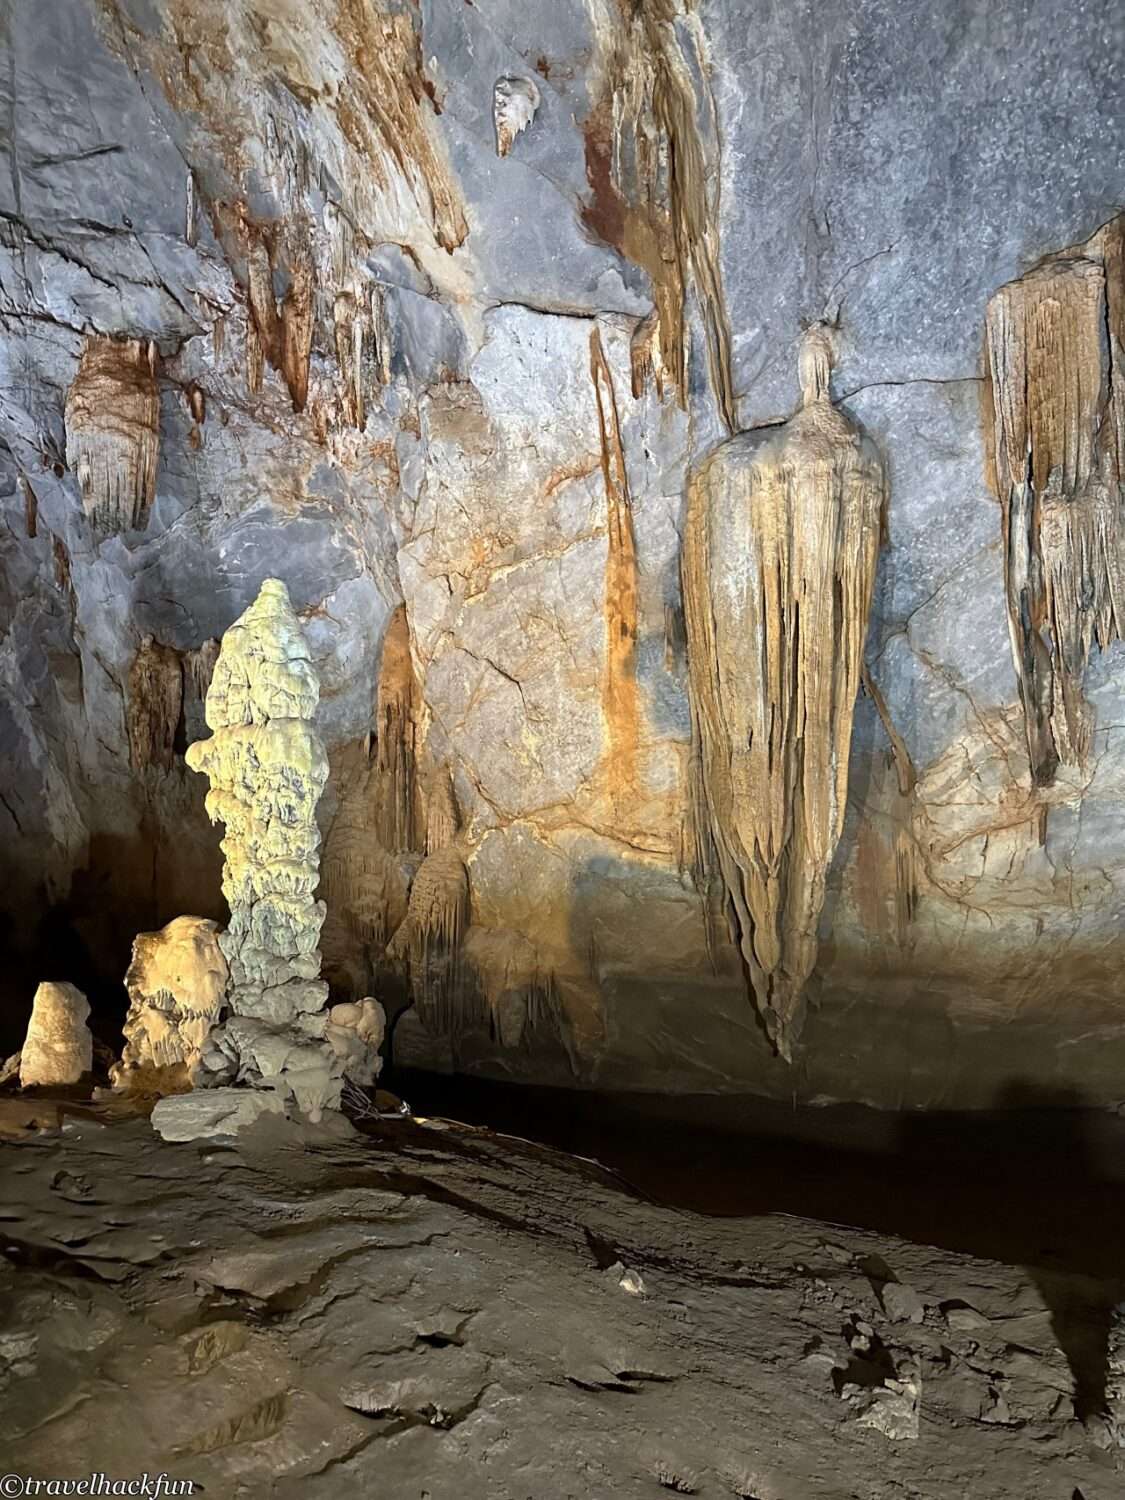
x,y
373,346
438,1310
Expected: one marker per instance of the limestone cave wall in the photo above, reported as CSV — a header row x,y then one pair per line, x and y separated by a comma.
x,y
433,310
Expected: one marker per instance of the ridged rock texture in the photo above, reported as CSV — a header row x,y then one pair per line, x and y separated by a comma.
x,y
177,985
780,546
320,292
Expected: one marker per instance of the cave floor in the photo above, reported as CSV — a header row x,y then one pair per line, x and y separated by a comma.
x,y
429,1309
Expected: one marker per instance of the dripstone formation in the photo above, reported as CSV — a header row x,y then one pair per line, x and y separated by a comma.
x,y
782,536
267,766
177,984
58,1048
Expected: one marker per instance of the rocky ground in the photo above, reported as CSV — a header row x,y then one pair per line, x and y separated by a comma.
x,y
425,1309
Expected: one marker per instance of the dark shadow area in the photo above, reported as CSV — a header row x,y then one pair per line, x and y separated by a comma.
x,y
1038,1182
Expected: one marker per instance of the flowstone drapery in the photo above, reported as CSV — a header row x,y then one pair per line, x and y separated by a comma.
x,y
267,766
1055,408
782,535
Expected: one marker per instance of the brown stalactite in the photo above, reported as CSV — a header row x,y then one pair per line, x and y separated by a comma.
x,y
443,820
153,704
651,195
113,431
1055,428
362,884
780,548
887,846
30,507
199,667
619,694
397,709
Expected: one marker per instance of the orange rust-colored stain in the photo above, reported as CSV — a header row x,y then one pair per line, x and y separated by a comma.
x,y
619,691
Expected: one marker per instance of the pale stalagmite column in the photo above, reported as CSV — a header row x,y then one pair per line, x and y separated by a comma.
x,y
267,766
780,547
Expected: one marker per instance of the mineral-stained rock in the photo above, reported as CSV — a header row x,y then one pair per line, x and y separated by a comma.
x,y
176,983
113,431
58,1048
782,536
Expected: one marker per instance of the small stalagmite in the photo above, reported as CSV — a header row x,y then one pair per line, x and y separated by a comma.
x,y
780,548
58,1048
112,420
177,984
1055,414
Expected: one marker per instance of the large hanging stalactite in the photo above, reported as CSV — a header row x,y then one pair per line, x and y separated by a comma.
x,y
1055,343
780,547
113,431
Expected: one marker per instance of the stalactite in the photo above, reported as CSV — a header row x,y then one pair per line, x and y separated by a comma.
x,y
442,816
780,547
199,667
1055,414
113,431
296,319
153,704
524,1006
281,336
362,885
61,558
645,357
651,184
364,347
514,103
397,709
437,916
619,692
894,795
30,507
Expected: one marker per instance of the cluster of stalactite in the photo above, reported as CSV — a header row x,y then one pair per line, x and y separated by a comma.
x,y
112,417
161,682
780,547
1055,342
648,141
